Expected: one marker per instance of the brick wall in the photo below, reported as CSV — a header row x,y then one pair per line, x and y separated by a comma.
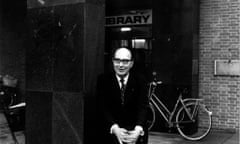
x,y
220,39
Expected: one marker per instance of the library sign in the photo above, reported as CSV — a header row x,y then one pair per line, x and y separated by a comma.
x,y
138,18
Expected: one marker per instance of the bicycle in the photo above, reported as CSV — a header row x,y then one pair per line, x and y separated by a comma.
x,y
187,112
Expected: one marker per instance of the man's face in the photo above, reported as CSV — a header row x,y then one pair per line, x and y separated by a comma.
x,y
122,61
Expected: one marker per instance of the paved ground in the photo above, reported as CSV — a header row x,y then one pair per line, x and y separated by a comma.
x,y
214,137
5,133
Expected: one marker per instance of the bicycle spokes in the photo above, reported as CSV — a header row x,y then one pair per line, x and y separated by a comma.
x,y
197,127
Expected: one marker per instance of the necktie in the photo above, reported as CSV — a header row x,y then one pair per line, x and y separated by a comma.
x,y
122,89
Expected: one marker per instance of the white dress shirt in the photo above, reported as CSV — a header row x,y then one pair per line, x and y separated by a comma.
x,y
125,80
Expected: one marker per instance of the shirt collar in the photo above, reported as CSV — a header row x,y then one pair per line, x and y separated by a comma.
x,y
125,78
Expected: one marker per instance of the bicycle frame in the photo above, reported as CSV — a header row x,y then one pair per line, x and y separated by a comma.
x,y
167,115
186,113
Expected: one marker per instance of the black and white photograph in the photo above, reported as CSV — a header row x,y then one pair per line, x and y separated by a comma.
x,y
119,71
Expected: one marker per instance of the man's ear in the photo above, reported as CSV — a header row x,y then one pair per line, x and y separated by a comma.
x,y
131,64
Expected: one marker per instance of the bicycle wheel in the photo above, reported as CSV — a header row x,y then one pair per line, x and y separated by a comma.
x,y
199,127
151,117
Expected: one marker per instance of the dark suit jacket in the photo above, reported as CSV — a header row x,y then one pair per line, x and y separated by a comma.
x,y
134,110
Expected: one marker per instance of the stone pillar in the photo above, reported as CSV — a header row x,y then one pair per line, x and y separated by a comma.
x,y
63,58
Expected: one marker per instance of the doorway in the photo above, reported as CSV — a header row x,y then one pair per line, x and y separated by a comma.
x,y
171,46
137,38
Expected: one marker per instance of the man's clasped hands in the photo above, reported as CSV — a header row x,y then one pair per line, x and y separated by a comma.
x,y
126,136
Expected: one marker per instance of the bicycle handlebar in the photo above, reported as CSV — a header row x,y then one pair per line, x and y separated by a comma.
x,y
155,83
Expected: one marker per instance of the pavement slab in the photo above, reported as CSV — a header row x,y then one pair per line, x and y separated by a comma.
x,y
214,137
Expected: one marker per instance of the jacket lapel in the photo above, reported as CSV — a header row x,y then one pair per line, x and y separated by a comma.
x,y
115,85
129,87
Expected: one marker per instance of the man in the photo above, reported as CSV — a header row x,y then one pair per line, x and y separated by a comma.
x,y
123,102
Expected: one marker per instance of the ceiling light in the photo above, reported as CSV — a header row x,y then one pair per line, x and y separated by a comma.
x,y
124,29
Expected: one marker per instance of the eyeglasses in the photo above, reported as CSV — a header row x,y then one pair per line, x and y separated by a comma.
x,y
123,61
